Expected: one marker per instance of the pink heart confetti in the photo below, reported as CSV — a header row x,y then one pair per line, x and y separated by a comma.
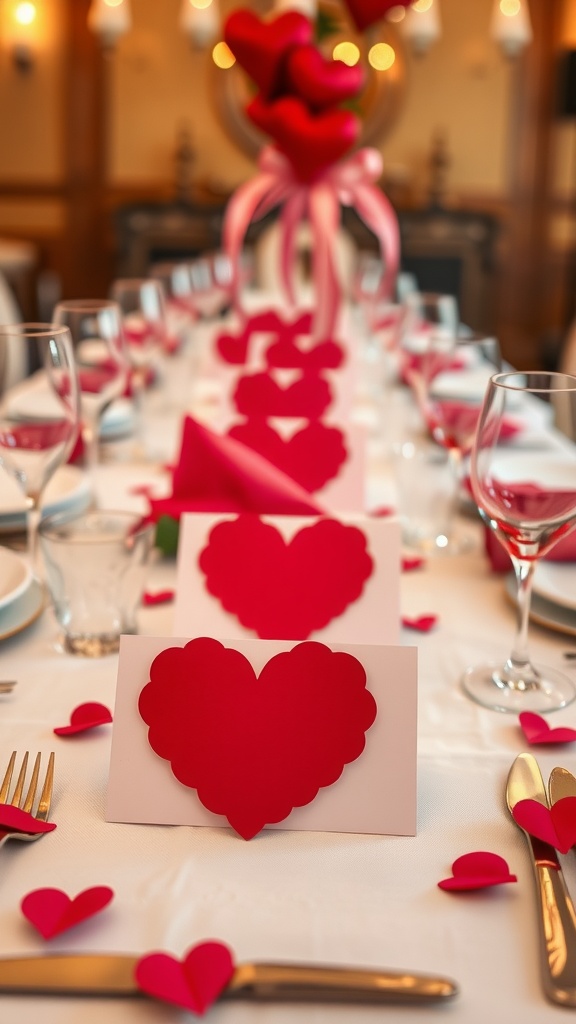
x,y
194,983
158,597
555,825
477,870
537,730
84,717
52,911
422,623
12,819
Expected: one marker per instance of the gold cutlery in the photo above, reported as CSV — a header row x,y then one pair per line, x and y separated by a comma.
x,y
557,918
560,784
26,802
114,975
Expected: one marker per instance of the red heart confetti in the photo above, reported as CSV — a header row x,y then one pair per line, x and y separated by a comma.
x,y
477,871
258,394
555,825
410,562
194,983
311,456
311,142
537,730
52,912
261,47
254,747
12,819
84,717
159,597
421,623
285,591
367,12
322,82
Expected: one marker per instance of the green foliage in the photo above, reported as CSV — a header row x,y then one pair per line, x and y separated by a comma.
x,y
167,530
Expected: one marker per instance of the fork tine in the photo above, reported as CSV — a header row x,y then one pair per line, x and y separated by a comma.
x,y
27,805
46,794
17,794
7,779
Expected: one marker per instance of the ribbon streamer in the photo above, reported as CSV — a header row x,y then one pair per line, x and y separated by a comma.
x,y
350,182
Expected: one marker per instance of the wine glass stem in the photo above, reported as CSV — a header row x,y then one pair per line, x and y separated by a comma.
x,y
33,514
90,439
519,664
456,463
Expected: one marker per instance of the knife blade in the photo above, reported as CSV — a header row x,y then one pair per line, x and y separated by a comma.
x,y
557,918
113,975
560,784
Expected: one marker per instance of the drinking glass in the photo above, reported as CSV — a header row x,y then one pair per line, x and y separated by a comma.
x,y
95,326
211,278
529,503
38,426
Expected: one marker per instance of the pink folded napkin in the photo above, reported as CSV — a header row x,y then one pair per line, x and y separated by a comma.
x,y
216,473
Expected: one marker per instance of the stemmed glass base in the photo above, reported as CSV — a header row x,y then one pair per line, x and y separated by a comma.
x,y
542,690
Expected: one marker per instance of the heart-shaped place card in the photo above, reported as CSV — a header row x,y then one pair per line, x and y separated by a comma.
x,y
555,825
260,47
52,911
194,983
477,870
84,717
311,456
13,819
285,590
256,746
537,730
258,394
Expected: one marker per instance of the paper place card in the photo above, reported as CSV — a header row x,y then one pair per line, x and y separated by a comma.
x,y
289,578
301,736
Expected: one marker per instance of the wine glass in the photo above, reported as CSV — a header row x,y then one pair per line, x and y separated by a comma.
x,y
95,326
529,503
38,424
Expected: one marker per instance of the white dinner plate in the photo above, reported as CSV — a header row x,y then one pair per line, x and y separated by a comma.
x,y
556,581
118,420
69,488
22,612
544,612
35,400
15,576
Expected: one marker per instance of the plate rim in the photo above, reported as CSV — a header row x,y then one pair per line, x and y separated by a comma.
x,y
37,590
21,588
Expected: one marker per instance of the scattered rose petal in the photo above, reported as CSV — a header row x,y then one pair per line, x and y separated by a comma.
x,y
84,717
537,730
477,870
194,983
422,623
52,911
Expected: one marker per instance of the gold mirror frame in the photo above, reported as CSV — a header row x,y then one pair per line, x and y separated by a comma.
x,y
378,106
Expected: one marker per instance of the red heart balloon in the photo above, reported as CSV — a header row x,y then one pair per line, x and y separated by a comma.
x,y
194,982
254,747
477,871
312,456
368,12
319,82
84,717
259,394
260,47
52,912
537,730
555,825
285,591
311,142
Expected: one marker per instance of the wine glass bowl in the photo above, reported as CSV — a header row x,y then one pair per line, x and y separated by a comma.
x,y
529,503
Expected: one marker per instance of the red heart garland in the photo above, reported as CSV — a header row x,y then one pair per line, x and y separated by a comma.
x,y
367,12
555,825
12,819
258,394
319,82
193,983
537,730
260,47
254,747
285,591
310,142
84,717
312,456
286,354
477,871
52,912
233,348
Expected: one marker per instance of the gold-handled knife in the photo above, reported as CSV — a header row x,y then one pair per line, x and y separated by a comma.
x,y
560,784
557,917
113,975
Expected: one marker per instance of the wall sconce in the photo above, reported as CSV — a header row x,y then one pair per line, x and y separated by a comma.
x,y
200,20
421,26
511,26
110,19
22,34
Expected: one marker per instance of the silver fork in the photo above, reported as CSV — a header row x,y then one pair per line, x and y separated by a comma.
x,y
26,802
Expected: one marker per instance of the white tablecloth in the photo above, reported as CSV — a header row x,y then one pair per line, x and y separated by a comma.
x,y
327,898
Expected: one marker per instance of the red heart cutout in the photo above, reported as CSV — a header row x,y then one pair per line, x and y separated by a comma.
x,y
555,825
537,730
233,348
52,912
311,142
366,12
320,82
12,819
312,456
477,871
254,747
194,982
285,591
287,354
421,623
84,717
258,394
261,46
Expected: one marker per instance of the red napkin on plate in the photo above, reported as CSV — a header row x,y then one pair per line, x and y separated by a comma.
x,y
217,473
563,551
462,418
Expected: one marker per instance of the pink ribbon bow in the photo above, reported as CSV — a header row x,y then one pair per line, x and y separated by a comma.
x,y
349,182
